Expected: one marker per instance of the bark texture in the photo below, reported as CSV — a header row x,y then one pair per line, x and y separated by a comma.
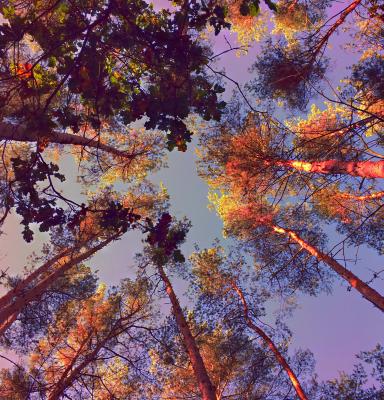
x,y
10,311
205,385
364,169
279,357
19,133
365,290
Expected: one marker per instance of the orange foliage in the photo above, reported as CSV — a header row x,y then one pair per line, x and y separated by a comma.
x,y
248,160
319,124
42,143
88,225
337,205
248,28
24,71
66,342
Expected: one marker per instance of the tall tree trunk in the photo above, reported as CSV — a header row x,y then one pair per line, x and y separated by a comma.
x,y
206,387
343,15
16,306
8,322
365,290
364,169
20,286
280,358
365,197
19,133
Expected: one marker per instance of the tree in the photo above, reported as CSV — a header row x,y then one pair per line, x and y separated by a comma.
x,y
89,233
291,70
254,203
76,284
218,275
103,60
164,241
78,74
117,84
258,225
239,366
81,352
19,297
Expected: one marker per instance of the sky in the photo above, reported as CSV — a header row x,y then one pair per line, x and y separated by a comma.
x,y
333,326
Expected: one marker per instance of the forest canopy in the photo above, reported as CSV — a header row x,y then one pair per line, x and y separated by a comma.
x,y
291,155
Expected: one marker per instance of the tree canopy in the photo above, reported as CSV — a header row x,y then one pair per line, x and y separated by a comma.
x,y
293,161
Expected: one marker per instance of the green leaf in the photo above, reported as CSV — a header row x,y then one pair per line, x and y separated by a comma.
x,y
8,12
52,61
254,9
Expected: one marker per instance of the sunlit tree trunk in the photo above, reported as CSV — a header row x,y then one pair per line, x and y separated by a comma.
x,y
20,286
5,324
206,387
23,299
364,169
365,197
10,131
280,358
365,290
335,25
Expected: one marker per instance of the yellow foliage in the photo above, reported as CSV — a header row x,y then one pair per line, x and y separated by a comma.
x,y
206,266
374,107
289,20
321,122
369,30
222,204
248,29
112,381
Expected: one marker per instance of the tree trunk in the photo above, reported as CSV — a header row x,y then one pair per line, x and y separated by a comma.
x,y
344,14
20,286
8,322
17,133
365,290
280,358
364,169
72,373
206,387
25,298
365,197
